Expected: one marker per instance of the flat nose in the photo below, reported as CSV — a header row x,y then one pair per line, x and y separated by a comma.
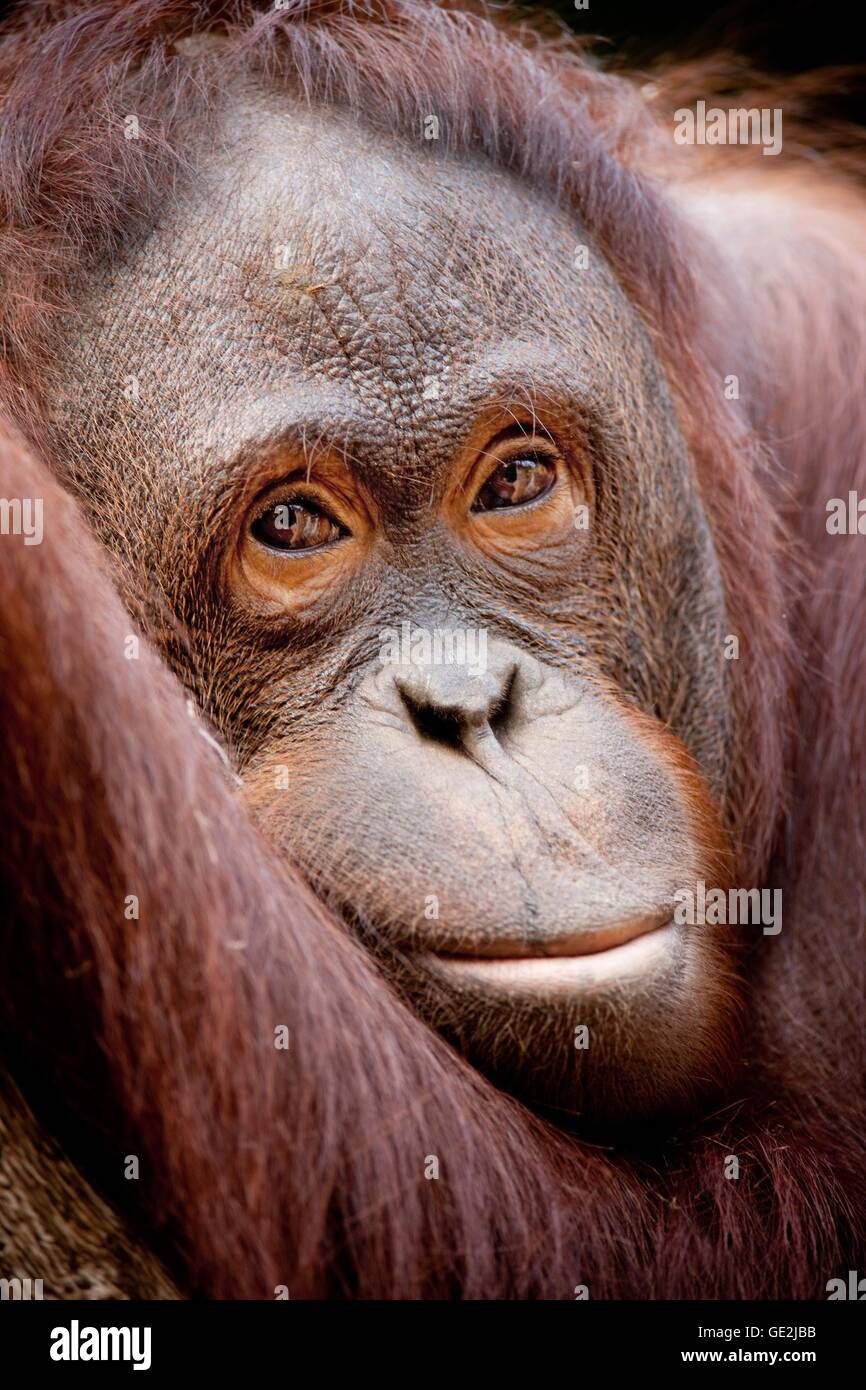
x,y
450,700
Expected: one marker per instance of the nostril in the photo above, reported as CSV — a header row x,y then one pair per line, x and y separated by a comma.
x,y
450,707
441,726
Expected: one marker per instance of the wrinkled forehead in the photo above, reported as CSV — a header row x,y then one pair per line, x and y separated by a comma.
x,y
350,283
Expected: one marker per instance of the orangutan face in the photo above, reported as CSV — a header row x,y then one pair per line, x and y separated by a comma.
x,y
386,436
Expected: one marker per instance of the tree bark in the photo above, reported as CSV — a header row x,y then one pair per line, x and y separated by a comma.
x,y
54,1227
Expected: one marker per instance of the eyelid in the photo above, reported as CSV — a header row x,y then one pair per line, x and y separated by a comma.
x,y
294,493
511,444
541,453
289,498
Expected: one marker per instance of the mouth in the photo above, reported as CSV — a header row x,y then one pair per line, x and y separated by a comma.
x,y
584,961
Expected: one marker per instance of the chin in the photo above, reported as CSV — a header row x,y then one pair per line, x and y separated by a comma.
x,y
635,1024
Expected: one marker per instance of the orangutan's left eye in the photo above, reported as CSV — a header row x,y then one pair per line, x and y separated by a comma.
x,y
515,481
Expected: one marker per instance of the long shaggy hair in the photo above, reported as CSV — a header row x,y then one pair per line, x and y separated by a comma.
x,y
305,1166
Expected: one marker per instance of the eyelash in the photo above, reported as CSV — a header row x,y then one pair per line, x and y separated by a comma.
x,y
298,499
536,454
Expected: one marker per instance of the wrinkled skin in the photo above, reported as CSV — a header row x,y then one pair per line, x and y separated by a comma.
x,y
329,305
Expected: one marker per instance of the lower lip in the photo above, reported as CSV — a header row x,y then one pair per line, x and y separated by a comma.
x,y
546,974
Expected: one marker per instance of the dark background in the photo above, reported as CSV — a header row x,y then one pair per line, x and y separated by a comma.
x,y
783,37
773,37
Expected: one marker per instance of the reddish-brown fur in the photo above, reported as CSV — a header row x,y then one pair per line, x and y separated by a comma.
x,y
306,1168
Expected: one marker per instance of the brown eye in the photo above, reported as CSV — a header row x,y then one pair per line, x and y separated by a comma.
x,y
515,481
295,525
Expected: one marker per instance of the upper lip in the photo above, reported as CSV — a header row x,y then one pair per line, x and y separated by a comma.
x,y
588,941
